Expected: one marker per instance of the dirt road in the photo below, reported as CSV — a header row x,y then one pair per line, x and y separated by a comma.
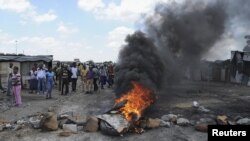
x,y
220,98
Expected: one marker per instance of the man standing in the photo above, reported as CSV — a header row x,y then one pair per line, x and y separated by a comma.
x,y
89,77
74,72
83,72
10,72
65,80
41,77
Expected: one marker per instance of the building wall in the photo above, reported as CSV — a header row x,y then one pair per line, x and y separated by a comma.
x,y
4,71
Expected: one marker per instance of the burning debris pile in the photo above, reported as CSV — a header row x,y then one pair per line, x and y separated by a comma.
x,y
176,38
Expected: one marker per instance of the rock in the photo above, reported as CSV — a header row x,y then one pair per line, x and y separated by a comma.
x,y
20,122
201,127
62,122
51,109
165,124
65,133
1,127
49,122
222,120
231,122
71,127
203,109
238,118
35,122
169,118
4,121
244,121
17,127
196,104
9,126
92,124
208,121
183,122
153,123
79,120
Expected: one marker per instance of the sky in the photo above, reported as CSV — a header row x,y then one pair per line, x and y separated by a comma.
x,y
84,29
69,29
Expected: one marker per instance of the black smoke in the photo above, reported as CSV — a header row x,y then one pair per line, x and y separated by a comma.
x,y
139,61
176,38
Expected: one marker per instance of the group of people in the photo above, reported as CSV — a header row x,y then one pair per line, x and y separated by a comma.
x,y
42,79
90,75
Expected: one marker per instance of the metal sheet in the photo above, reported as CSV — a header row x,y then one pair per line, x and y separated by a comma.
x,y
117,121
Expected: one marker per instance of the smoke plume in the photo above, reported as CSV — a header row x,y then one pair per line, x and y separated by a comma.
x,y
176,38
139,61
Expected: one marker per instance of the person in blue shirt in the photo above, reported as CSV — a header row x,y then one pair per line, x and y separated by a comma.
x,y
50,82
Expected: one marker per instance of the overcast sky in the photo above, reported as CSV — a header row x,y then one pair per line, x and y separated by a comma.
x,y
68,29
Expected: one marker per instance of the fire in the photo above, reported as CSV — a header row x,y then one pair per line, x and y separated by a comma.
x,y
138,99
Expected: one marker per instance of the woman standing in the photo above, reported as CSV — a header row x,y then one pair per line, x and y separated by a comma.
x,y
33,80
16,86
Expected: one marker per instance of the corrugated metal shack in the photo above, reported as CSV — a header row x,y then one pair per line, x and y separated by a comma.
x,y
25,63
240,67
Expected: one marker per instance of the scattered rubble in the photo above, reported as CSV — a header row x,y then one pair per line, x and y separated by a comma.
x,y
65,133
49,122
71,127
165,124
222,120
201,127
35,121
200,108
244,121
92,124
208,121
153,123
169,118
183,122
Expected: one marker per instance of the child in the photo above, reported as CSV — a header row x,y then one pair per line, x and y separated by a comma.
x,y
50,79
16,86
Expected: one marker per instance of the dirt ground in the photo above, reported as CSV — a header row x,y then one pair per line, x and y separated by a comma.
x,y
222,99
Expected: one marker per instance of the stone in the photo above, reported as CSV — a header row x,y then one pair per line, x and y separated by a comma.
x,y
92,124
169,118
231,122
35,122
244,121
165,124
201,127
51,109
65,133
183,122
71,127
1,127
153,123
4,121
20,122
238,118
208,121
196,104
79,120
17,127
49,122
203,109
61,122
222,120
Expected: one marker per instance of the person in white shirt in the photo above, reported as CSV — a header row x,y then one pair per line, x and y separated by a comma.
x,y
74,72
41,77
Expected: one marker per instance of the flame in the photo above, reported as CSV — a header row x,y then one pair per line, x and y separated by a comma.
x,y
138,99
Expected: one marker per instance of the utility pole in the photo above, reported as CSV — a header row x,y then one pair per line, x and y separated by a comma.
x,y
16,46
